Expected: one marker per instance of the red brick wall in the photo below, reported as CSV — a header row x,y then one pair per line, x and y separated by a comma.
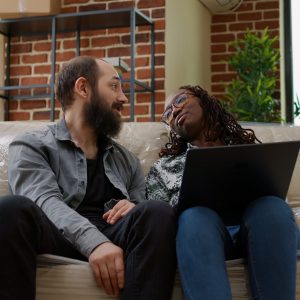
x,y
225,28
31,57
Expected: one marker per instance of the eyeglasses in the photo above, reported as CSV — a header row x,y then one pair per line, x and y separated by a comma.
x,y
179,102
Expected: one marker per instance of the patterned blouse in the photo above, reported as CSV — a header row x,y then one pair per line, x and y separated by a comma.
x,y
164,179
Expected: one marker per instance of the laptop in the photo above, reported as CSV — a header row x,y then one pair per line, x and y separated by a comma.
x,y
227,178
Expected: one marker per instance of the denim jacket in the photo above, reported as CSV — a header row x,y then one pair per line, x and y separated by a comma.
x,y
48,168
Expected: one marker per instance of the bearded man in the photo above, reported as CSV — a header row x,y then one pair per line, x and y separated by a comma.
x,y
79,194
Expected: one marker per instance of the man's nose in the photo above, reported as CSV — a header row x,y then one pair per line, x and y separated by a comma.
x,y
122,98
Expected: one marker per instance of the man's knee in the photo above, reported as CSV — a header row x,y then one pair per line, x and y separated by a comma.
x,y
157,209
14,208
154,214
13,202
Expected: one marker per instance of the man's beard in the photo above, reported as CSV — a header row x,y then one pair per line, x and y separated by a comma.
x,y
102,118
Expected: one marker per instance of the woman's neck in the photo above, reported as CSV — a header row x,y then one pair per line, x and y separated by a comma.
x,y
203,143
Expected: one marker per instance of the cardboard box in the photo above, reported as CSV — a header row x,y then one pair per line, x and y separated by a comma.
x,y
26,8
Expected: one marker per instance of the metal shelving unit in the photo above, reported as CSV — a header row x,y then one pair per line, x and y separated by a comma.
x,y
77,22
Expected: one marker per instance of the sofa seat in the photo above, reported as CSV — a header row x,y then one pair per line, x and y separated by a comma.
x,y
60,278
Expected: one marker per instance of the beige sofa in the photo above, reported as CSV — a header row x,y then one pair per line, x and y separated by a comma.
x,y
60,278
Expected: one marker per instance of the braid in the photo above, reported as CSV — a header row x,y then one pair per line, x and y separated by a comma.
x,y
220,124
175,146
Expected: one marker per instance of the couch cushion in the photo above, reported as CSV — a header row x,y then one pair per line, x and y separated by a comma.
x,y
8,131
146,139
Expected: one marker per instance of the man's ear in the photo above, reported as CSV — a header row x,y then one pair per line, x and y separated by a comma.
x,y
81,87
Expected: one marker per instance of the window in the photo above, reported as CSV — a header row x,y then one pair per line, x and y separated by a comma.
x,y
295,43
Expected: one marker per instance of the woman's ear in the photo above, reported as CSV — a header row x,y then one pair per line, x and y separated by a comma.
x,y
81,87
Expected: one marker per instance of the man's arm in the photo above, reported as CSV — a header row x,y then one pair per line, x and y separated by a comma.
x,y
137,185
107,263
30,175
120,210
135,189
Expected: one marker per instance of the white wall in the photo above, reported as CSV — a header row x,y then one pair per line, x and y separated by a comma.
x,y
187,44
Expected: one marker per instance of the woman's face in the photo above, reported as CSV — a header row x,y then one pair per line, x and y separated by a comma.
x,y
184,115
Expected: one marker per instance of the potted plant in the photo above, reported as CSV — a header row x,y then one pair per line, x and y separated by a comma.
x,y
250,96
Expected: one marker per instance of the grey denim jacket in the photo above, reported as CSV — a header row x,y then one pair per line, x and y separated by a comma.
x,y
49,169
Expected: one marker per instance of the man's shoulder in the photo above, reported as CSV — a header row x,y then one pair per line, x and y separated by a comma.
x,y
35,136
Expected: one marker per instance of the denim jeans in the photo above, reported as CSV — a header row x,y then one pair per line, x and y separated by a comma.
x,y
267,239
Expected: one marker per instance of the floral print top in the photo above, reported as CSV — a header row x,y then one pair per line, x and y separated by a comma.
x,y
164,179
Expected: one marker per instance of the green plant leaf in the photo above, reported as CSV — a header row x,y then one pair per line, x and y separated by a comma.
x,y
251,93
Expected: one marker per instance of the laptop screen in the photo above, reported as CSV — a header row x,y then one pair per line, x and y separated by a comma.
x,y
227,178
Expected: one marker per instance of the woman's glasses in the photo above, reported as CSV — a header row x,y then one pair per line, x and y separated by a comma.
x,y
179,102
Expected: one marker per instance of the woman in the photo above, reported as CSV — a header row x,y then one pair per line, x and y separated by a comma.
x,y
267,232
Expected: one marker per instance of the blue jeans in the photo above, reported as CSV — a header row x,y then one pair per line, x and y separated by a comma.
x,y
267,239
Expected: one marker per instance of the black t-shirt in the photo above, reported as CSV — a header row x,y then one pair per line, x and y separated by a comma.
x,y
99,190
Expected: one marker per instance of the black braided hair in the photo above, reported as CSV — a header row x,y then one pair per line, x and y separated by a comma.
x,y
219,125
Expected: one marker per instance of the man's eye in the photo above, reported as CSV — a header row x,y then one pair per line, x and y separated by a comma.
x,y
114,86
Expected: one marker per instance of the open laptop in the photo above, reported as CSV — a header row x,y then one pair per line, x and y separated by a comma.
x,y
227,178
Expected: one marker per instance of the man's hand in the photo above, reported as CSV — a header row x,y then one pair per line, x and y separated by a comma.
x,y
107,263
118,211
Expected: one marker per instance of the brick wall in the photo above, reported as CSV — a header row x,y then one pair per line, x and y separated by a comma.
x,y
225,28
31,57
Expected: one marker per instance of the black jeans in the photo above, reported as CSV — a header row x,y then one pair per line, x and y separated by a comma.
x,y
146,235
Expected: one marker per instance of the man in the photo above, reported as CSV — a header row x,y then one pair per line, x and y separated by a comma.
x,y
71,171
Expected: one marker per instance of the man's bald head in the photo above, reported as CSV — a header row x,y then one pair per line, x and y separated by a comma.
x,y
81,66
